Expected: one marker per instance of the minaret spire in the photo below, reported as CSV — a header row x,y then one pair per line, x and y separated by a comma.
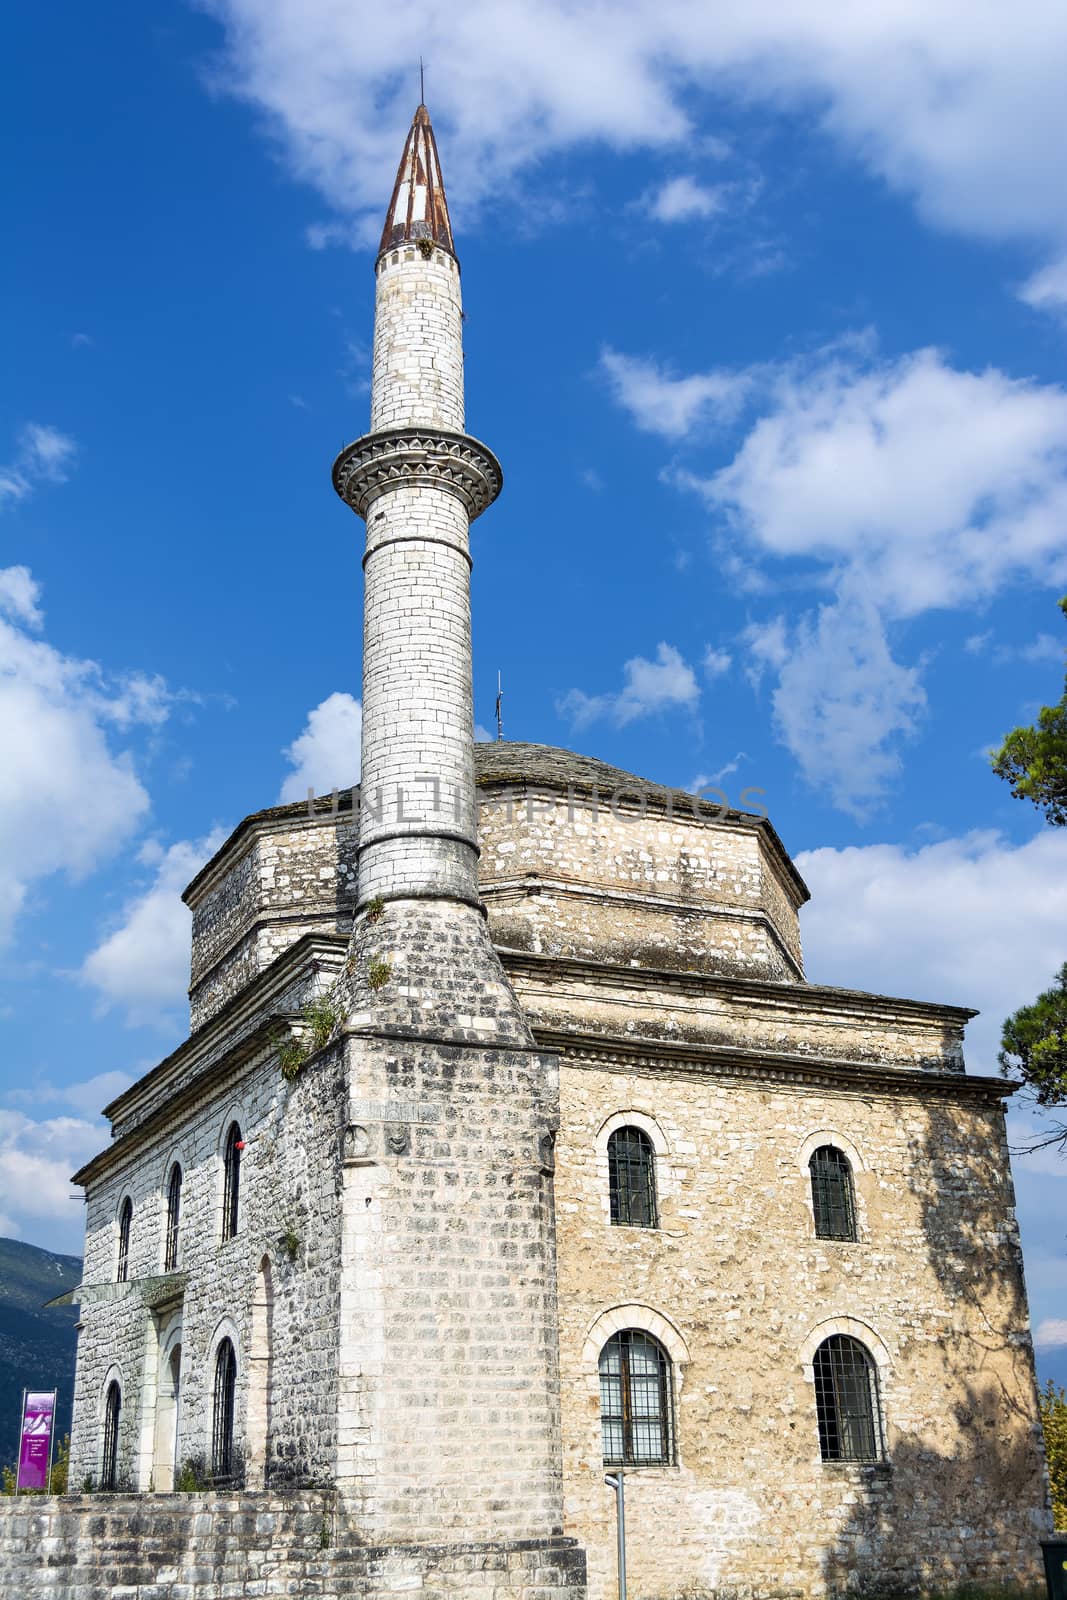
x,y
418,209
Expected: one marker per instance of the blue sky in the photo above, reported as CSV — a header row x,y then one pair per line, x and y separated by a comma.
x,y
767,315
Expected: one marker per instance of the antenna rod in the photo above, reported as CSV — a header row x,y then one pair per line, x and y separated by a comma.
x,y
499,707
422,83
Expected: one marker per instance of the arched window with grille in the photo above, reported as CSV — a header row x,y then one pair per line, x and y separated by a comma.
x,y
636,1422
632,1178
846,1401
231,1187
122,1265
109,1461
833,1197
174,1213
222,1415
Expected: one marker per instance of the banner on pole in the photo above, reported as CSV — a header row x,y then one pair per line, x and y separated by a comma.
x,y
35,1439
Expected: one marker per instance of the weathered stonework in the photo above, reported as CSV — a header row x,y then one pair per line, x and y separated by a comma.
x,y
421,1015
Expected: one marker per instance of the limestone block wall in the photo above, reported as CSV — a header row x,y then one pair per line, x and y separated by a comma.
x,y
616,881
737,1287
449,1403
417,373
285,1256
796,1019
287,878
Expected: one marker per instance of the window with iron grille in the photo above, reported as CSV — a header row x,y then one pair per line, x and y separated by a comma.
x,y
846,1401
222,1417
632,1178
122,1268
174,1211
109,1466
832,1196
635,1401
231,1189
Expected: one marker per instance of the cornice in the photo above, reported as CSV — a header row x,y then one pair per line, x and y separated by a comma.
x,y
761,1067
428,458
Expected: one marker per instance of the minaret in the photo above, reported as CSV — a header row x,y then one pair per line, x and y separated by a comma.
x,y
448,1403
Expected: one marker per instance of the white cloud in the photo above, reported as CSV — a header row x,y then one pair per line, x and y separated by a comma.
x,y
1052,1331
955,110
649,686
682,198
1047,290
715,662
841,701
326,755
19,594
659,402
36,1161
42,454
143,963
897,485
58,760
975,921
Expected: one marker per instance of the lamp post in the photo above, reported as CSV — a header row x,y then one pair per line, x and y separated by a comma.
x,y
614,1480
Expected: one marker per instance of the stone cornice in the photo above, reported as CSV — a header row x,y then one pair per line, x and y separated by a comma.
x,y
761,1067
792,996
428,458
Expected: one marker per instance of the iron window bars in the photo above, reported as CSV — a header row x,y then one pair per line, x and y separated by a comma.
x,y
832,1197
635,1402
846,1401
222,1416
109,1466
231,1193
122,1266
174,1211
632,1178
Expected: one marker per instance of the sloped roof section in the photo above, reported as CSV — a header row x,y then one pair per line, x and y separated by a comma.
x,y
418,209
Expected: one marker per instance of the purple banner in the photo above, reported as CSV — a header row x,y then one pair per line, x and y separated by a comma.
x,y
35,1438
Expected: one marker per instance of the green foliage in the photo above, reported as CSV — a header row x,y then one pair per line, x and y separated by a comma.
x,y
192,1477
290,1243
320,1017
1054,1421
375,909
379,971
1034,1044
7,1480
1034,760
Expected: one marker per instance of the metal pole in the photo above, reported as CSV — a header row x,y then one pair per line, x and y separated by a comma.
x,y
614,1480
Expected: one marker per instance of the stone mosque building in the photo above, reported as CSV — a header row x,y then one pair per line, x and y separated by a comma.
x,y
509,1147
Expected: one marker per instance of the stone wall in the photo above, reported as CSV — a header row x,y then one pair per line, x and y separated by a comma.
x,y
201,1547
734,1283
289,1219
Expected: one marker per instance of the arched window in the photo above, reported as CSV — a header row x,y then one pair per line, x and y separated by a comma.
x,y
174,1212
109,1465
122,1268
846,1401
832,1196
231,1190
222,1419
632,1178
635,1401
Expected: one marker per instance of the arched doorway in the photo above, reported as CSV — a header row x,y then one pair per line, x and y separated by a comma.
x,y
259,1378
168,1400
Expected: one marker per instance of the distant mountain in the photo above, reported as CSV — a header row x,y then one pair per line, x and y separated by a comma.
x,y
36,1347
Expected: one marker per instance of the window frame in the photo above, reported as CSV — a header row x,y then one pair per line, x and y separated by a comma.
x,y
223,1411
172,1227
233,1144
125,1230
832,1215
839,1358
625,1417
109,1455
622,1190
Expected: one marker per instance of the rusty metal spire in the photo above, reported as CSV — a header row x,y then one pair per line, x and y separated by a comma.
x,y
418,209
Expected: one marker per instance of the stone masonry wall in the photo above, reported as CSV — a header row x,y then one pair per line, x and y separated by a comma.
x,y
417,373
607,882
201,1547
737,1287
289,1216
